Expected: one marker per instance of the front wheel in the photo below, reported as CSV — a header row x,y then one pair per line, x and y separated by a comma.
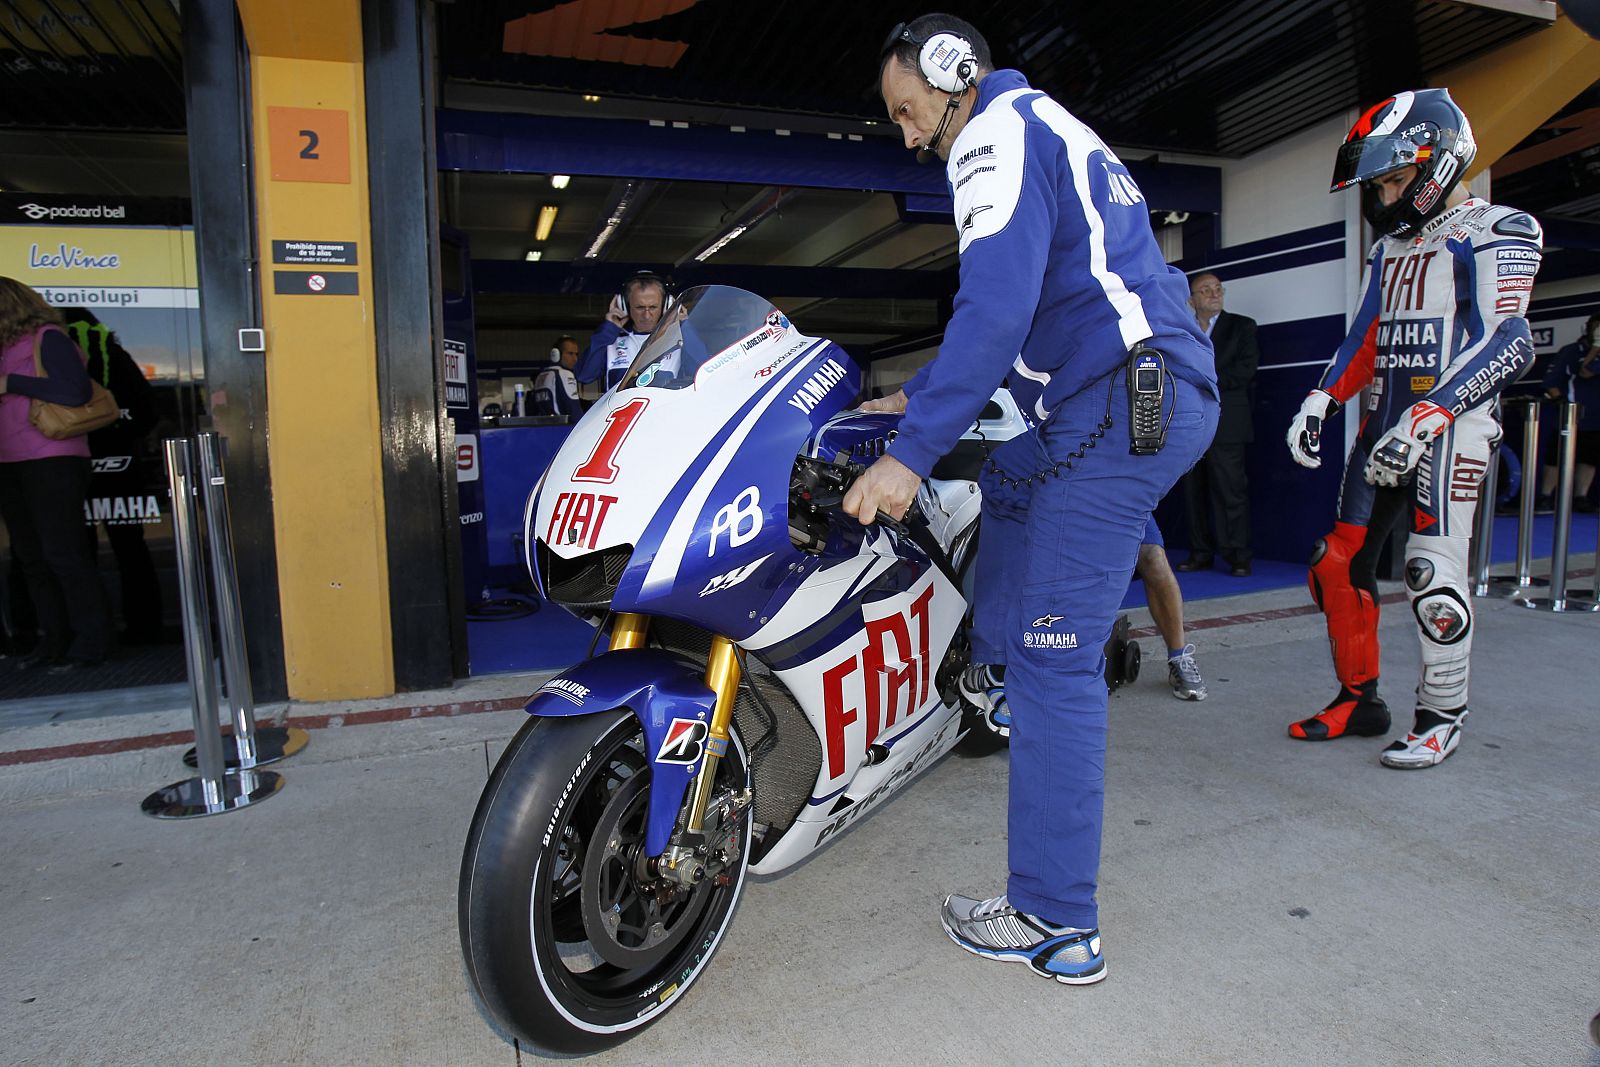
x,y
571,939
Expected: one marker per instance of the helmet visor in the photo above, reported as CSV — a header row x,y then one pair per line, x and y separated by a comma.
x,y
1362,160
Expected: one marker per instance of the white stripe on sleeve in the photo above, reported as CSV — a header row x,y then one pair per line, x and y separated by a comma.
x,y
1082,143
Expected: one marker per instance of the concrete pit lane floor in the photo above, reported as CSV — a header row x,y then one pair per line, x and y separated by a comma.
x,y
1263,901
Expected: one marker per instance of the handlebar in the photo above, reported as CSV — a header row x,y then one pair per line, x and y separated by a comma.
x,y
817,489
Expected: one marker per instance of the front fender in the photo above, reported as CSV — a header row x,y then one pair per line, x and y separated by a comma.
x,y
669,697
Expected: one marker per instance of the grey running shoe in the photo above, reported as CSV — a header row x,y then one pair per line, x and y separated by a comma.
x,y
995,930
1184,676
983,691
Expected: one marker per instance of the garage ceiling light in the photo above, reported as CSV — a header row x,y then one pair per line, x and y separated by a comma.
x,y
625,196
716,246
533,256
559,181
546,223
759,208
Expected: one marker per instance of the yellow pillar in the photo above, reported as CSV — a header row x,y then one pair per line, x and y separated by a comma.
x,y
308,121
1512,91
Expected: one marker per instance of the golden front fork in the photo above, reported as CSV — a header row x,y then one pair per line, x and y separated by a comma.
x,y
722,678
629,630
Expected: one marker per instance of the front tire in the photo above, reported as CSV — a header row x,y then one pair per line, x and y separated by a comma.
x,y
565,943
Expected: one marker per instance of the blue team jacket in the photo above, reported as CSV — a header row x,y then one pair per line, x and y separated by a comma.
x,y
1060,273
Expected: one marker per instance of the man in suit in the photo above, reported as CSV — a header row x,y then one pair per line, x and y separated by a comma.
x,y
1217,485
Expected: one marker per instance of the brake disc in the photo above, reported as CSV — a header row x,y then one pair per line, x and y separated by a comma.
x,y
629,922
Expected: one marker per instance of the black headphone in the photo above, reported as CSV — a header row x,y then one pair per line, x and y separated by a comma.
x,y
646,277
945,58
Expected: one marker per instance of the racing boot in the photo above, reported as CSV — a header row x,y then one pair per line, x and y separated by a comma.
x,y
1353,711
1435,735
984,687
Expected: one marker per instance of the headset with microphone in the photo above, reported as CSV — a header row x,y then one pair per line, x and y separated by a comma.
x,y
948,65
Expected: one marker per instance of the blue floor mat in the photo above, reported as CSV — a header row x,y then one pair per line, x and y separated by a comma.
x,y
1580,539
548,639
1277,574
1203,585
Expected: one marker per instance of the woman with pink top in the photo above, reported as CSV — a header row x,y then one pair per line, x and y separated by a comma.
x,y
43,483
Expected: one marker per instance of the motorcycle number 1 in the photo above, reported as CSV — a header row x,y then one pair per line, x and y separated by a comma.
x,y
599,466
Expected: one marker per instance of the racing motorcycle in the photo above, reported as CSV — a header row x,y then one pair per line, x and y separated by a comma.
x,y
774,670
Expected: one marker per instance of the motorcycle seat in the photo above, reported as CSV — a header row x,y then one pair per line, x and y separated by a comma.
x,y
963,462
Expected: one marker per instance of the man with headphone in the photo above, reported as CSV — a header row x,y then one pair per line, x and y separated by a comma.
x,y
1064,288
629,321
555,389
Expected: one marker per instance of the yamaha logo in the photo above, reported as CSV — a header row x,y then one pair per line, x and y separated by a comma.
x,y
1051,640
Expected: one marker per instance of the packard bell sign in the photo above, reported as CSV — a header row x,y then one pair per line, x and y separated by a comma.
x,y
40,212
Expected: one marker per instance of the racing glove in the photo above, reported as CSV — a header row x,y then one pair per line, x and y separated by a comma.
x,y
1305,432
1400,449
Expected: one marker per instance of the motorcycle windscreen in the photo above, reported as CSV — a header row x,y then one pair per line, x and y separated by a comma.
x,y
707,330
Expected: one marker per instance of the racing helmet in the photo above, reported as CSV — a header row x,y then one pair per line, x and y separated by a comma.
x,y
1424,129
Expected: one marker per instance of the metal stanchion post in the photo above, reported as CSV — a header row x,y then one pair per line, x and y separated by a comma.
x,y
1483,528
1558,600
1524,579
252,747
215,790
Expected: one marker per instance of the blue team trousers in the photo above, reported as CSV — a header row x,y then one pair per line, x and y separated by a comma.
x,y
1054,560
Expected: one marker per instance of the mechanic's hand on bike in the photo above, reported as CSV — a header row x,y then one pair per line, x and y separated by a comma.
x,y
894,405
888,486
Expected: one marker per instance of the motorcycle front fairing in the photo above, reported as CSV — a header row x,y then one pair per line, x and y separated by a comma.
x,y
687,465
687,462
717,552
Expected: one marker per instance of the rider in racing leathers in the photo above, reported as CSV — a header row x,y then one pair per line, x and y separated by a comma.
x,y
1438,334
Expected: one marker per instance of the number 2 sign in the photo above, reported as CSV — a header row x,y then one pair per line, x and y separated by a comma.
x,y
308,144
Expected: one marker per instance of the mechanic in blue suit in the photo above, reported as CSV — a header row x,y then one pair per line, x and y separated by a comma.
x,y
1058,263
630,319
